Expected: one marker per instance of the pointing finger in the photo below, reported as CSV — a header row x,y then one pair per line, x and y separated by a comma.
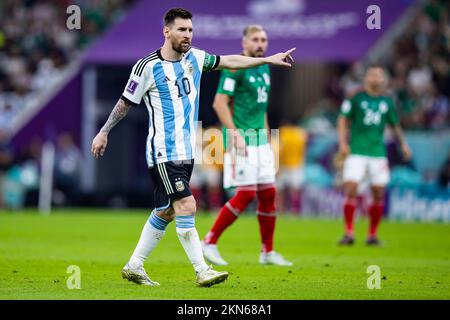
x,y
290,51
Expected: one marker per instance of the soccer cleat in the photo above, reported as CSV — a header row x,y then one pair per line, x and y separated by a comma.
x,y
373,241
211,277
211,253
138,276
273,258
347,240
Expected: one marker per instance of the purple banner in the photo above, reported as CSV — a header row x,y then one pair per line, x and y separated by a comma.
x,y
321,30
61,115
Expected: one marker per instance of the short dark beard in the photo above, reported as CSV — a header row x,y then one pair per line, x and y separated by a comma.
x,y
179,50
254,55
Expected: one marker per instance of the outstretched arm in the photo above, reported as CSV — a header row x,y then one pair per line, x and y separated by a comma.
x,y
101,139
242,62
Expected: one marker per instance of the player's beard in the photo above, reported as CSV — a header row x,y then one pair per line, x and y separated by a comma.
x,y
376,88
258,53
178,47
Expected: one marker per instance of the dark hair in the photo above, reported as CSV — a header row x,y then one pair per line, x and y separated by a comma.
x,y
174,13
374,65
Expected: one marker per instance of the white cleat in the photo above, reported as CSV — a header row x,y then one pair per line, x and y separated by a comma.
x,y
211,253
273,258
138,276
210,277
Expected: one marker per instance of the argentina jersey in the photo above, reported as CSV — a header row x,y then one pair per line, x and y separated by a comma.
x,y
171,91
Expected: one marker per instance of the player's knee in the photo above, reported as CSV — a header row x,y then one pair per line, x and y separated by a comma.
x,y
267,194
378,194
248,195
167,214
351,190
185,206
266,200
244,197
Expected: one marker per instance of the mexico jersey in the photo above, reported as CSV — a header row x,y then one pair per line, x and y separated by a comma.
x,y
249,91
369,116
170,90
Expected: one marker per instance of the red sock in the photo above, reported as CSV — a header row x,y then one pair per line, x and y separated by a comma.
x,y
376,213
197,194
229,213
266,216
349,213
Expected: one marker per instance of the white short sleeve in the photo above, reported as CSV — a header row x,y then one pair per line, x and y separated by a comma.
x,y
137,84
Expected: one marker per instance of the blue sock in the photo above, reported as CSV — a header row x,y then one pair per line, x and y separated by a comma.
x,y
158,222
185,222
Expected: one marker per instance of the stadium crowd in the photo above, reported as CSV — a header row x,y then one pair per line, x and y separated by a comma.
x,y
36,46
420,70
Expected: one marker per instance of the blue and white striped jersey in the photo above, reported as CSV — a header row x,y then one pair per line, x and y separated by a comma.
x,y
171,91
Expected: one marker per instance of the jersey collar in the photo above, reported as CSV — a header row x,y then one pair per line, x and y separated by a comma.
x,y
158,52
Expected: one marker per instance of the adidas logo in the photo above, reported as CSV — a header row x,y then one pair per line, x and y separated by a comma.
x,y
159,154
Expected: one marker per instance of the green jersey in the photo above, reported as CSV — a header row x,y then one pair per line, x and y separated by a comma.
x,y
368,116
249,91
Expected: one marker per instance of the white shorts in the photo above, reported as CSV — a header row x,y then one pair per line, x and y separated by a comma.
x,y
357,167
258,167
291,178
203,175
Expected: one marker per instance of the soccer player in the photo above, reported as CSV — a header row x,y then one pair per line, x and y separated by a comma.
x,y
168,80
367,113
241,104
293,140
208,173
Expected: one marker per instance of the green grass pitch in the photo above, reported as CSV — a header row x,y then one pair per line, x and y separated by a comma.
x,y
35,252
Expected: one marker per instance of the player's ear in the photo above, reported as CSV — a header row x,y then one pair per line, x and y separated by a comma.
x,y
166,31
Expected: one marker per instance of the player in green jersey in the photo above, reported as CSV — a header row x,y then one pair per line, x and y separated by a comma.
x,y
367,113
249,165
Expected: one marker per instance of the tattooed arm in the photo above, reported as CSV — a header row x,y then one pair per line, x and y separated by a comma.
x,y
101,139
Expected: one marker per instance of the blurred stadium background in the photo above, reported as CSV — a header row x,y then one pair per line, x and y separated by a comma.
x,y
58,86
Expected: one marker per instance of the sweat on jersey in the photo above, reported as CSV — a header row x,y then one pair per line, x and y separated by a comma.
x,y
170,90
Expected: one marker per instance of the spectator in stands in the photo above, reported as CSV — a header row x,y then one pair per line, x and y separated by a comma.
x,y
291,175
36,46
420,67
207,174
